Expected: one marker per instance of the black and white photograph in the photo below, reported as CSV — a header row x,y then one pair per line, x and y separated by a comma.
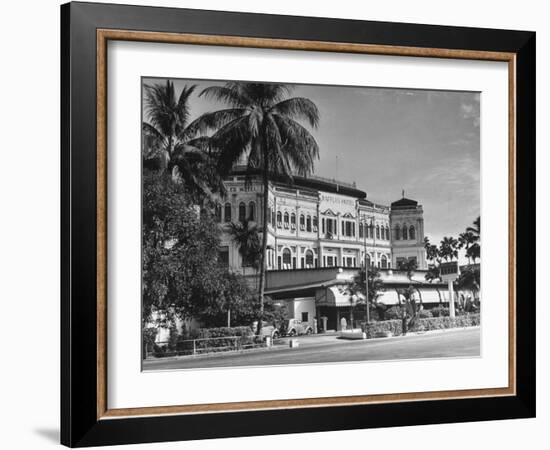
x,y
298,224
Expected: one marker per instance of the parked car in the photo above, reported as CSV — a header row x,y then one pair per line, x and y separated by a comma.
x,y
295,327
267,330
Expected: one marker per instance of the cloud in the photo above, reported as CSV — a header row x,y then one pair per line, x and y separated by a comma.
x,y
470,110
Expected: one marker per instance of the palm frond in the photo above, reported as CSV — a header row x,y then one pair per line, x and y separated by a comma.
x,y
160,104
153,141
183,104
232,140
214,120
298,108
232,94
266,94
300,145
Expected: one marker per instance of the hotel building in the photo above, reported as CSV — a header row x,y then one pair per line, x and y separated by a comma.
x,y
320,233
319,223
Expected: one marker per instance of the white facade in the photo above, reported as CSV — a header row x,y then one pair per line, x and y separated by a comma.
x,y
317,223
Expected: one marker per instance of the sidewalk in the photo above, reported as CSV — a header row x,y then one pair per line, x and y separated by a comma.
x,y
305,341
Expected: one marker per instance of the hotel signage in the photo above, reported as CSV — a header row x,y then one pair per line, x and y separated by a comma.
x,y
337,203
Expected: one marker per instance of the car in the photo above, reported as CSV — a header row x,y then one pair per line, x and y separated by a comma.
x,y
295,327
267,330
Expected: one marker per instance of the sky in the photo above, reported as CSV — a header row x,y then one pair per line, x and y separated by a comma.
x,y
424,142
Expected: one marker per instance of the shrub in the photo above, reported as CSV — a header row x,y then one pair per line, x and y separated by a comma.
x,y
422,324
203,333
440,311
372,329
439,323
425,314
149,335
393,313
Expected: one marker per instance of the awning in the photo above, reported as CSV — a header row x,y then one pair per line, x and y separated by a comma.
x,y
336,296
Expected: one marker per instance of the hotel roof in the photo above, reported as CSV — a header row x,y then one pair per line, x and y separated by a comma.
x,y
312,182
404,203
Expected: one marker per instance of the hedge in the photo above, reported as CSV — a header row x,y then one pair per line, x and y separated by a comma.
x,y
245,335
395,326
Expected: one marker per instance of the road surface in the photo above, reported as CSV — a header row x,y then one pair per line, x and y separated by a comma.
x,y
322,349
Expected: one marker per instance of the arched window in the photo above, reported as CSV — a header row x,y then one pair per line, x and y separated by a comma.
x,y
252,211
309,259
377,231
384,262
286,220
361,230
302,222
227,212
405,234
412,232
315,223
293,221
387,233
286,258
363,260
279,219
269,218
242,212
397,232
308,223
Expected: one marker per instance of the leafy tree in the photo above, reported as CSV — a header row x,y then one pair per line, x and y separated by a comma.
x,y
228,301
170,144
179,258
274,312
246,236
409,309
434,274
434,271
262,125
375,289
469,280
409,266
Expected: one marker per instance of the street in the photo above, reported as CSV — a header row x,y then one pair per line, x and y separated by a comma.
x,y
323,349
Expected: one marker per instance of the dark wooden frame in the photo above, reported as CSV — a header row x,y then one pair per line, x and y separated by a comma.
x,y
85,418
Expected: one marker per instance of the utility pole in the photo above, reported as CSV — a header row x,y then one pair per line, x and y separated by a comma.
x,y
365,229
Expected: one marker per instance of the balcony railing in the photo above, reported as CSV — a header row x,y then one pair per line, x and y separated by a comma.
x,y
353,184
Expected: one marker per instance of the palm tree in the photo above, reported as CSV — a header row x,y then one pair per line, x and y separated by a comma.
x,y
476,228
469,279
468,240
169,143
375,287
260,124
433,274
410,266
246,236
448,248
474,250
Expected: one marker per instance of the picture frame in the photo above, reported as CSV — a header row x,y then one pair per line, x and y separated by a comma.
x,y
86,419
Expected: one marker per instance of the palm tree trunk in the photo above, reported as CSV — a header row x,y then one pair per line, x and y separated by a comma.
x,y
263,264
419,295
